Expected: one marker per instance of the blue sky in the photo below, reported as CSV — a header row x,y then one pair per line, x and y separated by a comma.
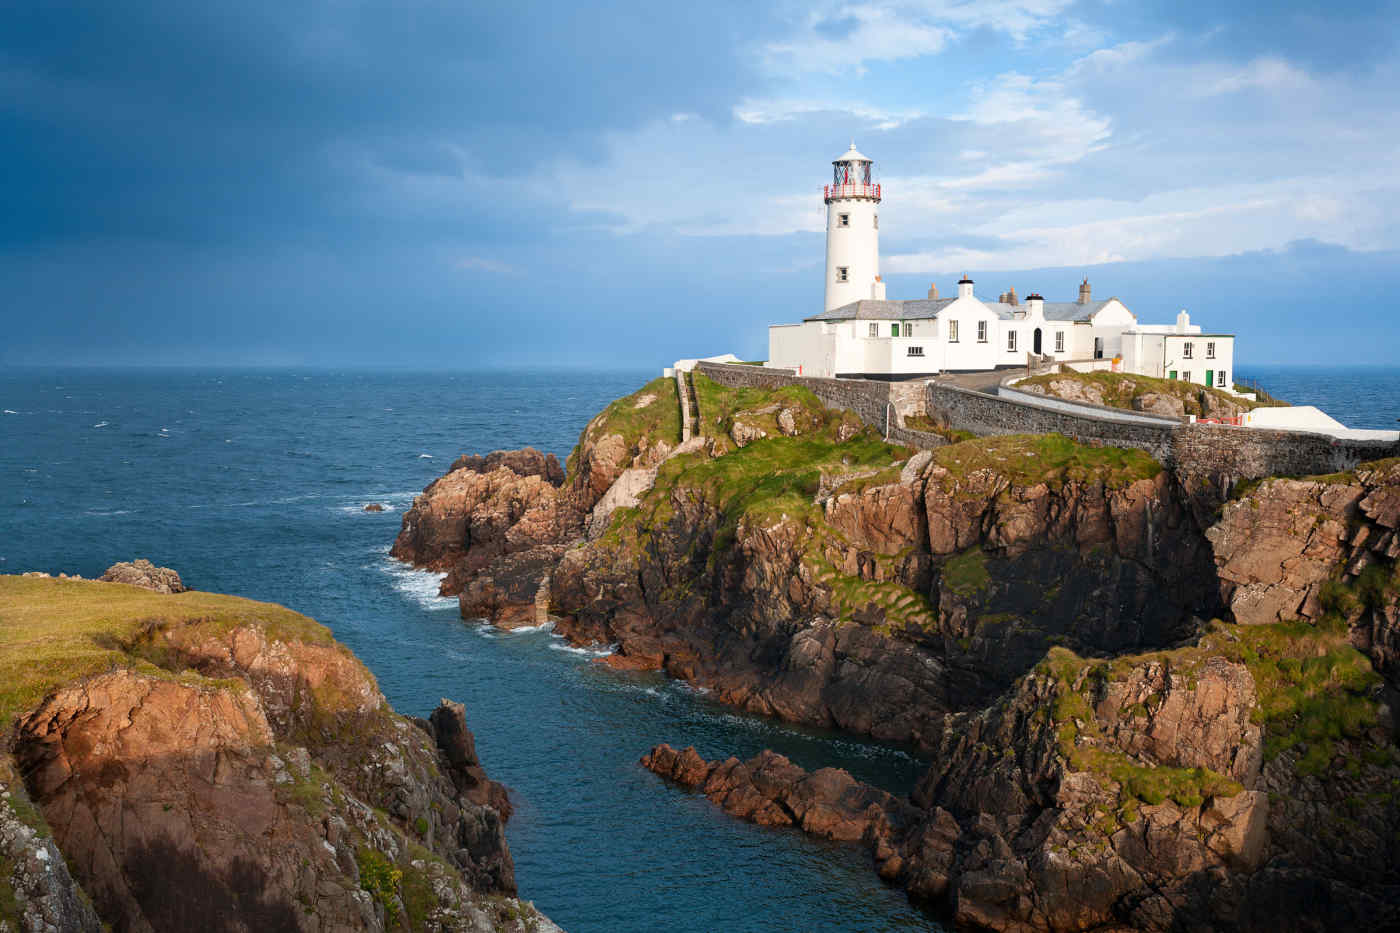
x,y
478,185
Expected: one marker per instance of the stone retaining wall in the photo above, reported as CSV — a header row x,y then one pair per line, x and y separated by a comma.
x,y
1198,449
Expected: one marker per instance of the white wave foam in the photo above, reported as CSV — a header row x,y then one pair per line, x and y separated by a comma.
x,y
421,586
11,411
528,629
425,456
591,652
101,424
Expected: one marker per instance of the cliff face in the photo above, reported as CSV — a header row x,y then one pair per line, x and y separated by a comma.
x,y
241,771
798,566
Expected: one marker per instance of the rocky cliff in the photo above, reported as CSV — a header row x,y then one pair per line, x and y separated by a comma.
x,y
179,760
1142,705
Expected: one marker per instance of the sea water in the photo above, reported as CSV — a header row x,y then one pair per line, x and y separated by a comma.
x,y
254,483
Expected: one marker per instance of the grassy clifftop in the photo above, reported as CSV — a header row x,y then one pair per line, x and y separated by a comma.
x,y
54,632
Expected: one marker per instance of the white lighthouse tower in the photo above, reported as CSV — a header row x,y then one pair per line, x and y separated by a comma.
x,y
852,232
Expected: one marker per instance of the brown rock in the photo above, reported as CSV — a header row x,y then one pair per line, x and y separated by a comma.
x,y
143,573
1156,403
374,507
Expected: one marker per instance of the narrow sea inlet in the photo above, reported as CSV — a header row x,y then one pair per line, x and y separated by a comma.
x,y
254,483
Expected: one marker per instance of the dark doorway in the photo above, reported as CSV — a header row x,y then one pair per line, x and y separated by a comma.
x,y
1098,348
1037,341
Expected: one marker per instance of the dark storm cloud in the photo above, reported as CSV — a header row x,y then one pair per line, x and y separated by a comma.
x,y
192,121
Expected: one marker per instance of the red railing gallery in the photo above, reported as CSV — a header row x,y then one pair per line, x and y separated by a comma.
x,y
850,191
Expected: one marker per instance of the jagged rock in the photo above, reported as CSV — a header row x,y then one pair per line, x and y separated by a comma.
x,y
1156,403
143,573
374,507
745,434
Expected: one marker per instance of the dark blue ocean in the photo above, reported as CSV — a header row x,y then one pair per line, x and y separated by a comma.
x,y
253,482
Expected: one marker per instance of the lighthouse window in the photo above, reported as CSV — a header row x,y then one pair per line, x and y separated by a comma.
x,y
877,221
843,220
843,273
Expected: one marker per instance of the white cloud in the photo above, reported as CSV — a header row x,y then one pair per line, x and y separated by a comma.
x,y
1265,74
484,264
835,38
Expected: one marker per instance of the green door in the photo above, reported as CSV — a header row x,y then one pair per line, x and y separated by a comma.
x,y
1210,377
1171,374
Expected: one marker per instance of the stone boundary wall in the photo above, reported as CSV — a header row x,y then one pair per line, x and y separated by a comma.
x,y
1214,450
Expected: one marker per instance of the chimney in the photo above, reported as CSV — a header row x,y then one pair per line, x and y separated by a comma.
x,y
1035,304
1183,322
932,292
877,289
1084,291
964,287
1011,298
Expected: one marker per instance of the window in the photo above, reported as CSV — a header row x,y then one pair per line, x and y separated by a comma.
x,y
877,221
1011,341
843,274
981,331
1186,375
843,220
1186,350
1210,350
908,329
874,330
1059,341
1220,379
916,351
952,331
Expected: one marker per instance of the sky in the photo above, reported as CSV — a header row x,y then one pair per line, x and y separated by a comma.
x,y
621,184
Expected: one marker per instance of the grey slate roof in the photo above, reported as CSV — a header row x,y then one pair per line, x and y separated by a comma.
x,y
870,310
921,309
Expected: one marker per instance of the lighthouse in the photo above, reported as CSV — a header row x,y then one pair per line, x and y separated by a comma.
x,y
852,232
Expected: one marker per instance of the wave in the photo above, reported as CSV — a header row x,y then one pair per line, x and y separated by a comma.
x,y
103,513
528,629
591,652
425,456
101,424
11,411
421,586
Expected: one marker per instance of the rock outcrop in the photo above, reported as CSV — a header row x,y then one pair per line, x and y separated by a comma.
x,y
250,776
143,573
1143,706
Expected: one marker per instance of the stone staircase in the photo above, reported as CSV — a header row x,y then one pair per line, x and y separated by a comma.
x,y
685,391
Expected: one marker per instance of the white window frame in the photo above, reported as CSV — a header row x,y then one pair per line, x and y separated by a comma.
x,y
1059,341
952,331
1210,349
874,328
915,351
1220,378
1186,375
843,273
843,220
981,331
1186,350
1010,341
908,329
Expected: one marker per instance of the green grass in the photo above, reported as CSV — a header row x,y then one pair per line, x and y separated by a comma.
x,y
1119,389
380,878
54,632
1028,459
659,419
719,407
966,574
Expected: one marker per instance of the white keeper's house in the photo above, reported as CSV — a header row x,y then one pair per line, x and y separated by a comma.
x,y
861,334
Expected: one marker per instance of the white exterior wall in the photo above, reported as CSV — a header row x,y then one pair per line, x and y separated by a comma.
x,y
967,353
856,247
1160,353
809,347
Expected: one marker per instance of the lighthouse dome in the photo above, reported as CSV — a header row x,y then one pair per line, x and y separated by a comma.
x,y
852,155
